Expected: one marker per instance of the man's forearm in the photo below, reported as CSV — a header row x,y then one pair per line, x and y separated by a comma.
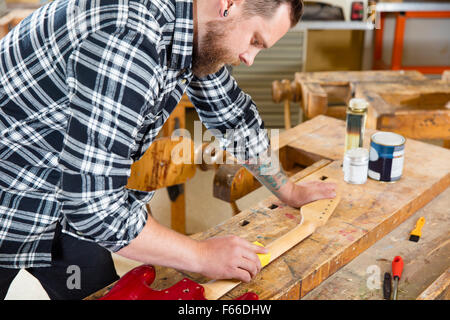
x,y
159,245
293,194
221,257
277,182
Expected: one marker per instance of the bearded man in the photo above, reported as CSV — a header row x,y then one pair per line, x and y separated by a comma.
x,y
85,87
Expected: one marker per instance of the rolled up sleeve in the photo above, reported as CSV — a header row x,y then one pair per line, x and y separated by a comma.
x,y
230,113
112,85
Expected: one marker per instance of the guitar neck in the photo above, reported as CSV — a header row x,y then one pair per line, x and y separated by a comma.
x,y
314,215
216,289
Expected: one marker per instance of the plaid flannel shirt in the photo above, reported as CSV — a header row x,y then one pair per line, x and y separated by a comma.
x,y
85,87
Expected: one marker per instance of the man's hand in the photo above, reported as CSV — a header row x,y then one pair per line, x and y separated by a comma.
x,y
230,257
294,195
297,195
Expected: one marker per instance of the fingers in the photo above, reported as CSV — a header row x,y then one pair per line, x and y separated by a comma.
x,y
249,261
328,189
321,190
231,257
255,248
309,191
250,267
242,275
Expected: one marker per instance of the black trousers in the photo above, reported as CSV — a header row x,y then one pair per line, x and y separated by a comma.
x,y
78,269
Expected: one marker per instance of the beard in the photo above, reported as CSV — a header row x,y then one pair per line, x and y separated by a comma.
x,y
211,55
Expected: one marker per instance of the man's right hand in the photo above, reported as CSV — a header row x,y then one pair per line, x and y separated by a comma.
x,y
229,257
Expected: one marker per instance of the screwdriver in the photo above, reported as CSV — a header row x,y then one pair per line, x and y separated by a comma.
x,y
397,268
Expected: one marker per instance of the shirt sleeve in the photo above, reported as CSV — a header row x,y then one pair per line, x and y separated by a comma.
x,y
112,84
230,114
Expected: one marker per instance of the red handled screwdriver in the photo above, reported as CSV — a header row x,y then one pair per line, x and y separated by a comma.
x,y
397,268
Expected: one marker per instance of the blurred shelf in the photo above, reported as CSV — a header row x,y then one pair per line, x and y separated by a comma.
x,y
334,25
412,6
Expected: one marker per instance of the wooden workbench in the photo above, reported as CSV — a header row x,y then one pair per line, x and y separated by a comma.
x,y
365,214
415,109
329,92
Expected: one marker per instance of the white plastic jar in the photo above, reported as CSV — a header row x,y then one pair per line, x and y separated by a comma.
x,y
356,164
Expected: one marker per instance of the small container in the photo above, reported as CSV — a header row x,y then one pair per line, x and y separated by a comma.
x,y
355,123
356,162
387,151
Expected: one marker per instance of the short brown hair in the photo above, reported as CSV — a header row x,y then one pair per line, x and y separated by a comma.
x,y
266,8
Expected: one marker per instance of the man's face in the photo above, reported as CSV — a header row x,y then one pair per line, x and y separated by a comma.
x,y
237,39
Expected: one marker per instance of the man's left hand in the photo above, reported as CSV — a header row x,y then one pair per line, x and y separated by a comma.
x,y
297,195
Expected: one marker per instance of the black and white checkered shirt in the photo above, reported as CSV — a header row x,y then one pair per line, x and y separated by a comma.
x,y
85,86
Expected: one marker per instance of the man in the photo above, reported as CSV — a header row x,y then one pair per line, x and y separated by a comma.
x,y
85,87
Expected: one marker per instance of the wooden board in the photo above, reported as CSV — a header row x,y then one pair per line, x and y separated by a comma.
x,y
327,92
365,214
439,289
167,162
415,109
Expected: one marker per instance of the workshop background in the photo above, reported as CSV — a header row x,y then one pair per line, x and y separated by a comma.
x,y
333,36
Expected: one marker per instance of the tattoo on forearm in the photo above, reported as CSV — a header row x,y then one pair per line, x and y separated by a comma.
x,y
273,182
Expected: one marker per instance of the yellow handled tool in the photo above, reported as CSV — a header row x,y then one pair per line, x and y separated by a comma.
x,y
417,232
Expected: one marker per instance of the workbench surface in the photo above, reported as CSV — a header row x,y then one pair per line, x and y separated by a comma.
x,y
424,261
365,214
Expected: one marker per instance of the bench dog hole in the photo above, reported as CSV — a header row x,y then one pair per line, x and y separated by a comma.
x,y
273,206
244,223
323,178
